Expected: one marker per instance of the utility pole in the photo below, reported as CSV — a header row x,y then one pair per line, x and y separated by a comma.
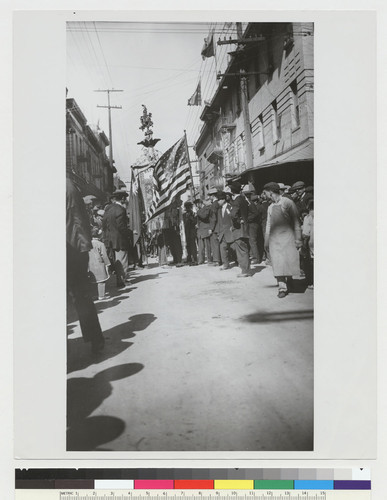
x,y
109,107
245,110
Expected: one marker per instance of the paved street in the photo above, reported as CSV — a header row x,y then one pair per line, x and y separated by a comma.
x,y
195,359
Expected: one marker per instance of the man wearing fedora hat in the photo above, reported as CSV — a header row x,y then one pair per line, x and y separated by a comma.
x,y
255,231
117,227
240,229
214,226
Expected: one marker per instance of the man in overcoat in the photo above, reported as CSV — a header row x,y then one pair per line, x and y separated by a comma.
x,y
117,227
78,244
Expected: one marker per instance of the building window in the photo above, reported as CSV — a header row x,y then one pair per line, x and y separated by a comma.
x,y
295,105
275,122
260,134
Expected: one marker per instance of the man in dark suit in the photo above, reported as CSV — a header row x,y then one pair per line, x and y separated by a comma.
x,y
254,220
190,221
224,229
240,229
117,226
214,228
204,230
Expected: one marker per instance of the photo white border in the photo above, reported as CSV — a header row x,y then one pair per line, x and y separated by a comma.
x,y
345,372
7,461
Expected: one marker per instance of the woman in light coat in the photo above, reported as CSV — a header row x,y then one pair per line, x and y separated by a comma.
x,y
283,237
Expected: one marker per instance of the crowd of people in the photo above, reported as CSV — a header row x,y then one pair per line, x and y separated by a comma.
x,y
234,225
274,227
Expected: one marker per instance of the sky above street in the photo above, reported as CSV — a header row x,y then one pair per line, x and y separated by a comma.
x,y
157,64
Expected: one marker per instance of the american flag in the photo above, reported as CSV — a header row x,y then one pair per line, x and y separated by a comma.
x,y
171,177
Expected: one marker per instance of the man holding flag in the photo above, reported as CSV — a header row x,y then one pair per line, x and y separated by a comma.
x,y
171,178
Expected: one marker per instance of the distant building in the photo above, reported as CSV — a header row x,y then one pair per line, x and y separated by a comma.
x,y
265,91
86,153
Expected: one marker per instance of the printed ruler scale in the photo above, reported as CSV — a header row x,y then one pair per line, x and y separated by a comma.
x,y
193,495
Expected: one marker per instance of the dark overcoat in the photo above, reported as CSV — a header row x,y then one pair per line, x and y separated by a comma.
x,y
239,215
115,222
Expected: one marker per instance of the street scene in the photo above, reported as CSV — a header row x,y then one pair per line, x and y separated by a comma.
x,y
189,236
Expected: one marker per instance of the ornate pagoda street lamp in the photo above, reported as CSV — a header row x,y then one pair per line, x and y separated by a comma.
x,y
149,142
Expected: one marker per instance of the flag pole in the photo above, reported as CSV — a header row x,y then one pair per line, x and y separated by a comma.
x,y
193,194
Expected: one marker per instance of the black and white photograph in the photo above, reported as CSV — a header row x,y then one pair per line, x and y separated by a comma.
x,y
190,236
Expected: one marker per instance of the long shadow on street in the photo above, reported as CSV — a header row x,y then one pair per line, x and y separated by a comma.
x,y
85,395
79,354
145,277
275,317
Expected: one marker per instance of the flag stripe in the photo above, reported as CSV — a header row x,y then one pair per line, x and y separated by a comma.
x,y
164,202
176,186
182,172
170,177
163,207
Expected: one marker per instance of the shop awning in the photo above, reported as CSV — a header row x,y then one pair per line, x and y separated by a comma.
x,y
300,153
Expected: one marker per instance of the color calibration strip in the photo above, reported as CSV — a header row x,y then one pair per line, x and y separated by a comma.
x,y
194,479
192,484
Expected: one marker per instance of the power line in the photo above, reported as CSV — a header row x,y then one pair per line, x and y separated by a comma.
x,y
103,55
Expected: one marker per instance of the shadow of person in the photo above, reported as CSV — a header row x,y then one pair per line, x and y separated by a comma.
x,y
78,352
140,322
84,394
90,433
145,277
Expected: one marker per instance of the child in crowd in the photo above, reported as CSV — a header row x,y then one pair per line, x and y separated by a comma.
x,y
98,263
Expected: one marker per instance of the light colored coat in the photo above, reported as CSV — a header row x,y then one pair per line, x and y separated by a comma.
x,y
282,231
98,262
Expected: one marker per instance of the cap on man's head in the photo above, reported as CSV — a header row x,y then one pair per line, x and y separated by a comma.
x,y
298,185
272,186
222,195
235,187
